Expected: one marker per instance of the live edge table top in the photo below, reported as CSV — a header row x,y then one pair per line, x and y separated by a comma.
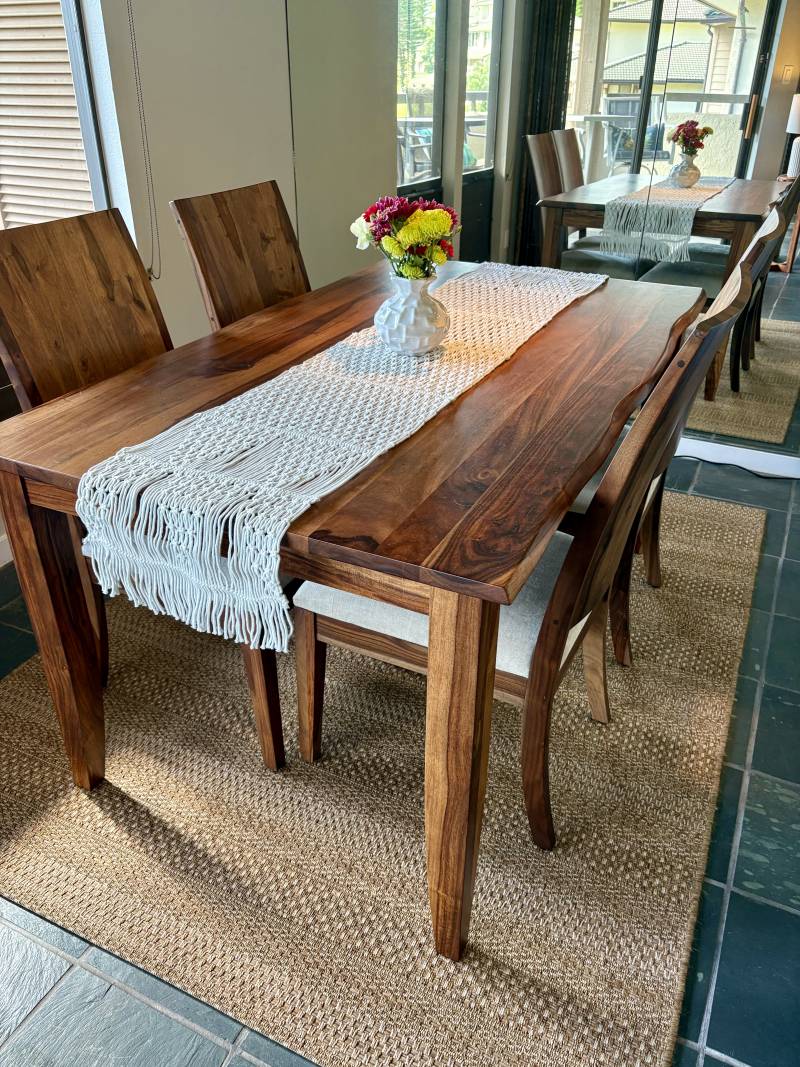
x,y
470,501
744,200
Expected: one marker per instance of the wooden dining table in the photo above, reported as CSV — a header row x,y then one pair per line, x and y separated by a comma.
x,y
450,522
733,215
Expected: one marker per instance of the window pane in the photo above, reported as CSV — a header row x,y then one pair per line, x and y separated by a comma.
x,y
480,105
420,50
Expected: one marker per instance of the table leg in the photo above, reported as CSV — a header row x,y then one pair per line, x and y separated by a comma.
x,y
551,236
49,575
741,237
461,658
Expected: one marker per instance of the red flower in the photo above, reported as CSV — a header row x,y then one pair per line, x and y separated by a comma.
x,y
447,248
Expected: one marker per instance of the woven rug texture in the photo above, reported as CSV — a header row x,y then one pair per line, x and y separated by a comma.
x,y
762,409
297,901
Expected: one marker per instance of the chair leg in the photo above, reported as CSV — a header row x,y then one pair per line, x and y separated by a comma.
x,y
262,677
619,604
738,356
651,537
310,656
594,663
543,680
759,309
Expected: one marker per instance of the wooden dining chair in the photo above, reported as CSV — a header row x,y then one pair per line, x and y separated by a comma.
x,y
244,250
568,155
76,307
563,606
711,277
648,538
584,254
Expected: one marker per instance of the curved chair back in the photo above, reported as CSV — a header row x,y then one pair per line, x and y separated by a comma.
x,y
244,250
76,306
640,459
568,154
546,172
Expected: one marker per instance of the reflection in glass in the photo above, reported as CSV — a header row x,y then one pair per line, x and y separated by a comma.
x,y
420,48
481,93
704,66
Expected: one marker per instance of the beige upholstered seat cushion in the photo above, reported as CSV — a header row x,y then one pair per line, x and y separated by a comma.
x,y
703,275
520,622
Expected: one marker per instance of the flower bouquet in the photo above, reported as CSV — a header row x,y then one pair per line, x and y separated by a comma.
x,y
689,137
415,236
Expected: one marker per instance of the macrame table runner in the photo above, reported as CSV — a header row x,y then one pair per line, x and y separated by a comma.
x,y
656,222
158,514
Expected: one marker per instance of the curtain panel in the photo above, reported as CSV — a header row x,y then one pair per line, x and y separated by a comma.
x,y
545,85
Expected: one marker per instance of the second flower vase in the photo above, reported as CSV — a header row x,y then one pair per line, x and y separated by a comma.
x,y
411,321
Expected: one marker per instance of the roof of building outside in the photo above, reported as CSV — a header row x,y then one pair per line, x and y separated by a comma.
x,y
686,62
674,11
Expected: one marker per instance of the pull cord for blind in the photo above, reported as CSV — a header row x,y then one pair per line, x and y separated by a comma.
x,y
154,266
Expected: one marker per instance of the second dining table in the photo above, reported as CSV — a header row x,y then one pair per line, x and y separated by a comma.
x,y
733,215
450,522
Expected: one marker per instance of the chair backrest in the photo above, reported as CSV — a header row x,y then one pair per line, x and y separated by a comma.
x,y
244,250
791,200
545,164
765,245
568,154
76,305
597,550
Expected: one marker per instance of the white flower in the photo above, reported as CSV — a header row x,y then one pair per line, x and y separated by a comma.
x,y
361,231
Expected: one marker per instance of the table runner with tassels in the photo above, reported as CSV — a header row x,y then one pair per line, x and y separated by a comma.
x,y
158,515
656,222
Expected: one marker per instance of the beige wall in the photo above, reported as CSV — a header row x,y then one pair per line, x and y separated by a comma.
x,y
766,157
216,88
343,97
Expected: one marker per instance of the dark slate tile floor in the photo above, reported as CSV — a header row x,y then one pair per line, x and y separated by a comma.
x,y
63,1001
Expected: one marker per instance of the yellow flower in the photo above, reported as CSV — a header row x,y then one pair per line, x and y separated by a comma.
x,y
438,255
411,270
424,227
392,246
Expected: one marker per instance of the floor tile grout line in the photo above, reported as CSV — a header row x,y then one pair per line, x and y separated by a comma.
x,y
6,1043
722,1057
766,901
775,777
79,963
745,786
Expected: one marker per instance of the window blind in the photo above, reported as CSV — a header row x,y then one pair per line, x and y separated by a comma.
x,y
43,173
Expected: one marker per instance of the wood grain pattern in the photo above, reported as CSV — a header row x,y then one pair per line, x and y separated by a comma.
x,y
461,656
48,573
244,250
262,680
744,200
76,306
568,155
732,214
470,501
310,657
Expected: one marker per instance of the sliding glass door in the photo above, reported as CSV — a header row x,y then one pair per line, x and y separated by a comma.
x,y
640,68
437,39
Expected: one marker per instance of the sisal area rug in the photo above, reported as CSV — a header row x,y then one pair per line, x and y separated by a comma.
x,y
762,409
297,903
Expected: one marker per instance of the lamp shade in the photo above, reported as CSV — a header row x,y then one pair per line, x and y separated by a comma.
x,y
793,125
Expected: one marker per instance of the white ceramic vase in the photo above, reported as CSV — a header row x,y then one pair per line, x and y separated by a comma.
x,y
412,321
686,173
